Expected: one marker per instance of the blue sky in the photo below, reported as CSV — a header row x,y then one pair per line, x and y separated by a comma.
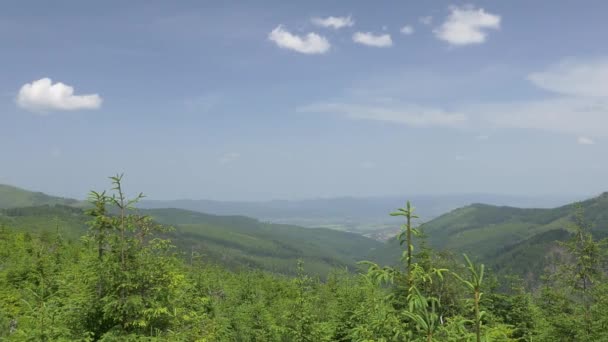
x,y
266,100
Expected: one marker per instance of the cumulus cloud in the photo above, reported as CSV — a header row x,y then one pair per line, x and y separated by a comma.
x,y
229,157
410,115
311,43
44,96
575,78
407,30
333,22
370,39
467,25
585,141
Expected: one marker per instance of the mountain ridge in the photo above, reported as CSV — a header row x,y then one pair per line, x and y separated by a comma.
x,y
511,239
234,241
14,197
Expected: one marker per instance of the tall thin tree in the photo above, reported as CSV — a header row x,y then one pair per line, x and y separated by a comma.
x,y
406,235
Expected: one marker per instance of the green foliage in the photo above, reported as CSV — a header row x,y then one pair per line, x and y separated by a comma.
x,y
474,284
125,281
571,294
512,240
235,242
405,237
239,242
13,197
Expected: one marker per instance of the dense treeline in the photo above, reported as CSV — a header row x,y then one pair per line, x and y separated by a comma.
x,y
123,282
233,241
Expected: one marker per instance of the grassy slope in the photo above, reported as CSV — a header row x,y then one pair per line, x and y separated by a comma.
x,y
483,227
13,197
238,240
70,222
234,241
512,240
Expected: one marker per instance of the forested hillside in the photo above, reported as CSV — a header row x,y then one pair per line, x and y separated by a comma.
x,y
242,241
13,197
509,240
513,240
124,280
364,215
233,241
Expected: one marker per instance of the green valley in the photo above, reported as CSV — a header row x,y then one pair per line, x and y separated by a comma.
x,y
233,241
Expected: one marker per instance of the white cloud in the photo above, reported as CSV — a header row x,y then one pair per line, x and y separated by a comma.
x,y
585,141
44,96
577,117
427,20
563,115
451,99
467,25
410,115
334,22
407,30
311,43
581,109
229,157
370,39
575,78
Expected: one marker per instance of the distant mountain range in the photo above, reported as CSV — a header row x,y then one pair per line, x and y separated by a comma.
x,y
508,239
361,215
233,241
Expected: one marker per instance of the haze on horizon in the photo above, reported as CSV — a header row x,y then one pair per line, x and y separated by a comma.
x,y
232,101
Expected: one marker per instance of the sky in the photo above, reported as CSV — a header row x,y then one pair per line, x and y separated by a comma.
x,y
290,100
